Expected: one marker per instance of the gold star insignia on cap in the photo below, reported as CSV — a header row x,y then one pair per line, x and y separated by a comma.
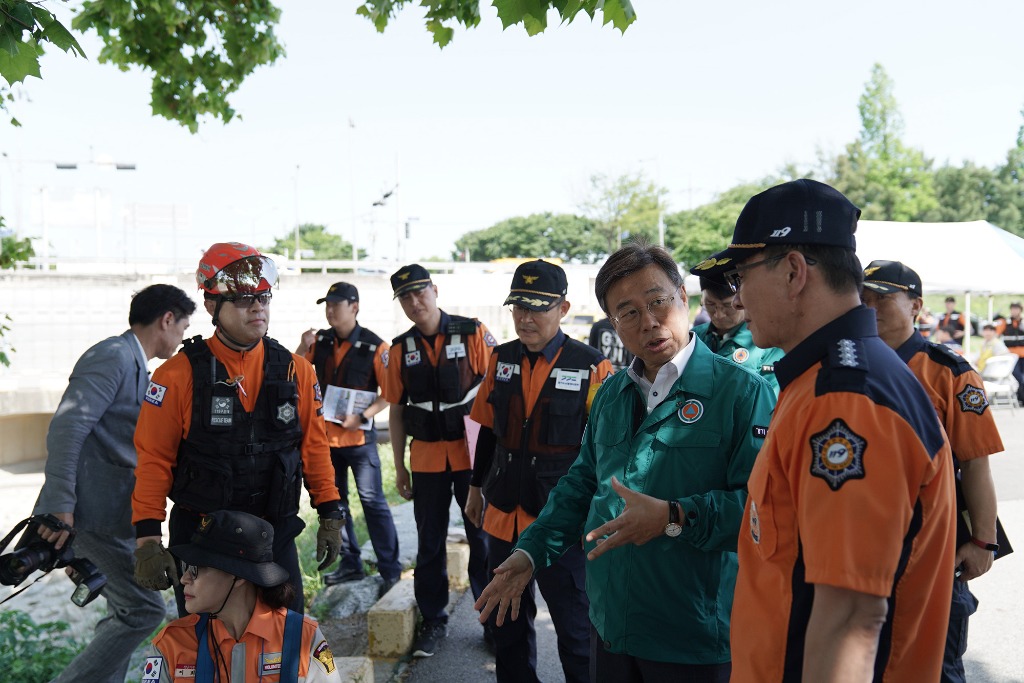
x,y
869,271
530,279
403,276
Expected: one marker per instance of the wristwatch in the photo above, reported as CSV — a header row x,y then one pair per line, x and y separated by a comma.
x,y
363,420
673,528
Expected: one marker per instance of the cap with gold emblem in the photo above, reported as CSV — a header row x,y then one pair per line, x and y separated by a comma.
x,y
537,285
409,279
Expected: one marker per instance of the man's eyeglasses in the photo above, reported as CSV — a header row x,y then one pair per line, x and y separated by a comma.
x,y
190,569
245,301
734,277
630,319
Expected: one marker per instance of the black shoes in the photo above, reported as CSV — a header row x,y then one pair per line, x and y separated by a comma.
x,y
430,637
343,576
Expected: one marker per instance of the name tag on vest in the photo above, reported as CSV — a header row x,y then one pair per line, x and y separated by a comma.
x,y
569,380
455,351
270,663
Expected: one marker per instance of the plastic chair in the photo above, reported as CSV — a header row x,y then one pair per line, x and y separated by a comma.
x,y
1000,385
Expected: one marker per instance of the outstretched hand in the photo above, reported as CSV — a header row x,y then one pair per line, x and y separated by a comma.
x,y
506,588
643,518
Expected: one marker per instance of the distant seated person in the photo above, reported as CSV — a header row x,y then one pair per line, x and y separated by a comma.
x,y
239,627
945,335
991,346
926,322
953,319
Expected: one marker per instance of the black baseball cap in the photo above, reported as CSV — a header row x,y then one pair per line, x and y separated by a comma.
x,y
798,212
886,277
340,291
237,543
409,279
537,285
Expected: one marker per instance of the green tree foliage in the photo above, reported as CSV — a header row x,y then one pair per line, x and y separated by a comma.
x,y
12,251
1010,212
540,235
627,206
885,178
697,233
442,15
324,245
967,193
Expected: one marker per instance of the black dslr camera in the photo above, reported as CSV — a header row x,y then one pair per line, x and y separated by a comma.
x,y
33,552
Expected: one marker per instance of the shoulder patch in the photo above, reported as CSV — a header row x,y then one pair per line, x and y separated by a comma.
x,y
972,400
837,454
847,353
384,357
152,668
155,394
323,654
316,392
489,339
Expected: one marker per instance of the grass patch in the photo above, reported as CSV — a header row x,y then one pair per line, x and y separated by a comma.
x,y
31,652
311,581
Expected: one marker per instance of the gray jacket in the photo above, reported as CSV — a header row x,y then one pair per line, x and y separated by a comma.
x,y
90,464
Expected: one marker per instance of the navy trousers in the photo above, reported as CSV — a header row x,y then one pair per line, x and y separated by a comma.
x,y
432,498
563,586
963,606
365,465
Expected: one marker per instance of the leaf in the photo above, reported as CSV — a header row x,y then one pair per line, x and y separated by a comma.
x,y
442,34
513,11
22,14
62,38
15,68
619,13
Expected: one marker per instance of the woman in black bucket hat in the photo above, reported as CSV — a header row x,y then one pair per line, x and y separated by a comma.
x,y
239,628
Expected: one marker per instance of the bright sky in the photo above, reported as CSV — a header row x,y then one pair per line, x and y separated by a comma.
x,y
700,96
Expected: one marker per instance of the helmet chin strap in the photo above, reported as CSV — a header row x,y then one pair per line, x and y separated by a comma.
x,y
213,615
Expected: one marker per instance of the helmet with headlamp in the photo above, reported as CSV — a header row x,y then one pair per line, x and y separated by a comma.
x,y
231,268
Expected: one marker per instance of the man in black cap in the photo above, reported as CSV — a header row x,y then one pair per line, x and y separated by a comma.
x,y
532,408
894,292
851,498
433,377
349,356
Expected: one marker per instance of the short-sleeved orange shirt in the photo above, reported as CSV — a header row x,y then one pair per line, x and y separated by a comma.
x,y
853,488
437,456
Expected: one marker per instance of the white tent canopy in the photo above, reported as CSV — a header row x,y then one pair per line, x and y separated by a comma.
x,y
951,258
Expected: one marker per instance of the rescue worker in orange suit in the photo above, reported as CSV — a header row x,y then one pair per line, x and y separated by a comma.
x,y
953,318
232,422
846,552
1013,337
894,291
434,373
238,628
532,408
350,356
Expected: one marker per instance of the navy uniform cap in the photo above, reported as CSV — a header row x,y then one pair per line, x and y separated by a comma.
x,y
409,279
340,291
886,277
537,285
798,212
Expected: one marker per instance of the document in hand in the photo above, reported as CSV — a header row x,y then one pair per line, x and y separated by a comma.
x,y
339,402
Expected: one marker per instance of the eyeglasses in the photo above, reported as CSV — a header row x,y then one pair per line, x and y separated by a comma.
x,y
630,319
734,277
245,301
186,568
724,309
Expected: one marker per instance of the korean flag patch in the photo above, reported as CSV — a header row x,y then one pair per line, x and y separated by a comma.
x,y
155,393
151,670
504,371
413,358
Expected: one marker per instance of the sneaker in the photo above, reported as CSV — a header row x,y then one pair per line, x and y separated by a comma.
x,y
343,576
387,585
428,640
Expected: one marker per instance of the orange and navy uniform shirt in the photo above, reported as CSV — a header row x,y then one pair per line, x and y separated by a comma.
x,y
508,525
439,456
853,488
958,394
166,417
175,650
338,436
954,319
1012,332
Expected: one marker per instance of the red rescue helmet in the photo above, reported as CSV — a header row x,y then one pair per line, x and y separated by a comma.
x,y
229,268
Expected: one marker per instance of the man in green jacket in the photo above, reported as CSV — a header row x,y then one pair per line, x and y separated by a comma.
x,y
727,334
658,489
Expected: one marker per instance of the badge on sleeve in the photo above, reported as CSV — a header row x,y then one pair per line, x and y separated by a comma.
x,y
155,393
318,394
322,652
413,358
755,523
837,454
152,668
489,339
972,400
384,357
740,355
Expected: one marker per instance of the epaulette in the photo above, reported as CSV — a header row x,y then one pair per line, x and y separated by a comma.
x,y
461,327
943,355
847,354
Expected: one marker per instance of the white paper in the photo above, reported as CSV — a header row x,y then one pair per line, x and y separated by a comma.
x,y
339,402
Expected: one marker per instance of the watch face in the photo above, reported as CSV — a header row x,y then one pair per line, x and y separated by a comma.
x,y
672,529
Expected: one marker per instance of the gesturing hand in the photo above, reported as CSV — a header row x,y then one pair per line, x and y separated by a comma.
x,y
643,518
506,588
